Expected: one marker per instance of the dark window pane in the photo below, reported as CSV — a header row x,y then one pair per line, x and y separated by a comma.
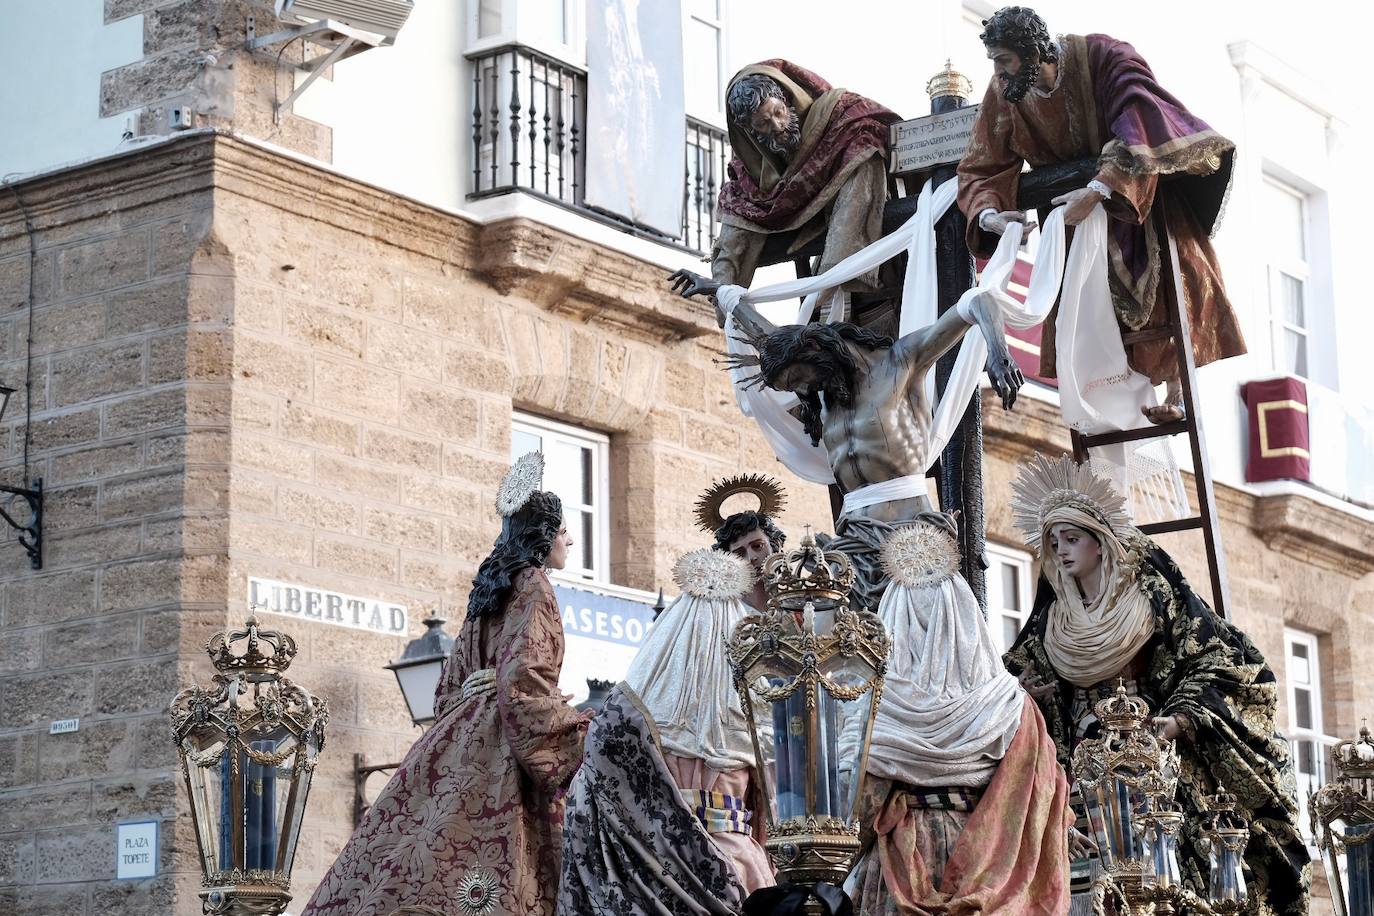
x,y
587,499
1302,708
1307,758
1011,587
588,544
1010,627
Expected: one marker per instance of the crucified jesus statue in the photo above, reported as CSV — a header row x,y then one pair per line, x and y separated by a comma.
x,y
863,398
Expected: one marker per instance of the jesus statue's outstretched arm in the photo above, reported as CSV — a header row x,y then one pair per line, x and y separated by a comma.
x,y
919,350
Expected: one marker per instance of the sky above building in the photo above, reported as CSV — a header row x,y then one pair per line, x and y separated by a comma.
x,y
887,49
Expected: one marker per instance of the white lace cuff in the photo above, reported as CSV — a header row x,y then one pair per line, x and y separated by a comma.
x,y
1100,187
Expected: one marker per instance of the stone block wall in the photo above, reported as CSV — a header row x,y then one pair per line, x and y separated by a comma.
x,y
128,414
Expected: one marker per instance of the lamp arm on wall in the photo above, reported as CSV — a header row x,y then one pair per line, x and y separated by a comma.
x,y
30,535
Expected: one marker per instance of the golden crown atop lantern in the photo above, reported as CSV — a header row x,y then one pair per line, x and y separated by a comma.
x,y
252,660
1355,759
808,574
1121,711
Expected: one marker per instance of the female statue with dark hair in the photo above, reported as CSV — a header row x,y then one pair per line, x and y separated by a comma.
x,y
472,821
1113,607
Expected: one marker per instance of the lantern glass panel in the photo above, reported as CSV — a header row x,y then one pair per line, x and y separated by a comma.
x,y
207,769
791,728
854,736
419,682
266,758
1356,866
1112,805
1163,846
1226,882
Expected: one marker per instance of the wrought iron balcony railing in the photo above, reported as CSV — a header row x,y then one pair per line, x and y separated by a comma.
x,y
529,115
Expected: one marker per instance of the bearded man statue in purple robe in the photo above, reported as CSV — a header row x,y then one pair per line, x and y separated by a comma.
x,y
807,159
1092,96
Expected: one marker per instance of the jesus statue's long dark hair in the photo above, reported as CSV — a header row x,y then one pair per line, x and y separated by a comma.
x,y
525,540
821,345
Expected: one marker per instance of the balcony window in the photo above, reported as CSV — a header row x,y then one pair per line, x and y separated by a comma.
x,y
1009,586
575,468
528,114
1306,732
1285,210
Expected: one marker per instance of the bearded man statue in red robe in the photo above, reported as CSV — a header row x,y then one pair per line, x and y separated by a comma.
x,y
1081,96
808,159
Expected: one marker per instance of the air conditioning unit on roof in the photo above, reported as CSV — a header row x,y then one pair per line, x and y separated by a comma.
x,y
380,17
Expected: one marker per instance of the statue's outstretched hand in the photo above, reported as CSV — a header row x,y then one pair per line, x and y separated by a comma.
x,y
997,221
1078,205
688,284
1005,376
1003,372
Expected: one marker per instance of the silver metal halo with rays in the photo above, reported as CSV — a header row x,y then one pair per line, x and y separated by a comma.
x,y
1043,485
477,892
712,574
523,480
920,555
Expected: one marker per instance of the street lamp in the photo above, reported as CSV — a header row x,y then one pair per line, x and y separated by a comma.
x,y
248,747
817,666
419,668
1342,816
417,671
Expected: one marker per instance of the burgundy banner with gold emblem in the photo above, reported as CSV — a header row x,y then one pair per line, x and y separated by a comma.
x,y
1279,435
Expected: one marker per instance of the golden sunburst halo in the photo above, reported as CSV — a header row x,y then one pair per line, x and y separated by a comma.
x,y
766,490
1043,485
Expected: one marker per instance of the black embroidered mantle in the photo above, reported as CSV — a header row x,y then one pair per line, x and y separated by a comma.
x,y
1199,666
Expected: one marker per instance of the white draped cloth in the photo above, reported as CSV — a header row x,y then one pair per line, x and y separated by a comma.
x,y
949,708
683,677
1098,390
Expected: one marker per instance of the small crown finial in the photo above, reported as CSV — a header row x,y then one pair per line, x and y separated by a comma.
x,y
808,574
252,661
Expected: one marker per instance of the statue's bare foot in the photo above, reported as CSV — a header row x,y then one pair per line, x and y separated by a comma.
x,y
1172,408
1163,413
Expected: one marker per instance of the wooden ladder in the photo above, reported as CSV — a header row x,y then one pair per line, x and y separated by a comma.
x,y
1206,518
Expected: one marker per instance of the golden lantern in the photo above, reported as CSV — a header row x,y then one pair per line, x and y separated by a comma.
x,y
1342,816
1127,778
816,665
248,747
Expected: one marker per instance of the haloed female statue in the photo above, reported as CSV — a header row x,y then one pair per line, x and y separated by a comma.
x,y
471,824
1112,605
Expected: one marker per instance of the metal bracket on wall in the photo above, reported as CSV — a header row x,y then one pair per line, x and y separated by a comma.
x,y
29,534
340,41
361,771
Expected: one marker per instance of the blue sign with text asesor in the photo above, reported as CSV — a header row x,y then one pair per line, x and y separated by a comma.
x,y
608,618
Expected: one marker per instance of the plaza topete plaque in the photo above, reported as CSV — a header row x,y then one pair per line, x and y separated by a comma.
x,y
938,139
